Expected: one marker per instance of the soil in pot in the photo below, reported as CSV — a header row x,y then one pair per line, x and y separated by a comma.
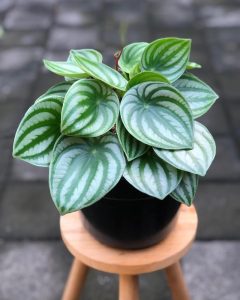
x,y
128,219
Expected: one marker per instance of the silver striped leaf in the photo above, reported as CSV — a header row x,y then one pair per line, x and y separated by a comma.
x,y
199,158
168,56
131,55
198,94
193,65
90,54
153,176
187,188
58,91
38,132
145,77
83,170
100,71
90,109
131,147
157,115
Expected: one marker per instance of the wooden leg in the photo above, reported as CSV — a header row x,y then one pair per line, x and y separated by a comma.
x,y
128,287
75,281
176,282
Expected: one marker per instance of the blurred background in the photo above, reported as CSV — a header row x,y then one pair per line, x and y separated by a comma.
x,y
33,261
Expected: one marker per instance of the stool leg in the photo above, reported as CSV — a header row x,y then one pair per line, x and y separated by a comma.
x,y
75,281
176,282
128,287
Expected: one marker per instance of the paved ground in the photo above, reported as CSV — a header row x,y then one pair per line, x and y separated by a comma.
x,y
33,261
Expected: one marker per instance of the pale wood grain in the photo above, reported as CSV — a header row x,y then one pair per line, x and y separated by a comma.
x,y
128,287
94,254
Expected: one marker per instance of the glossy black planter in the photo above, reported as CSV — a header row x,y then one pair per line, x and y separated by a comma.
x,y
128,219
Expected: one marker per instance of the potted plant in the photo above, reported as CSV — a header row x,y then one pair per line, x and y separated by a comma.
x,y
122,145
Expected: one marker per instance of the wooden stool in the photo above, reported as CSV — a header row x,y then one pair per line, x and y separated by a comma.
x,y
88,252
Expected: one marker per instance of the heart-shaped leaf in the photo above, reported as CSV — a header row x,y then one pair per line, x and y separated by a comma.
x,y
199,158
90,109
152,176
37,132
58,90
63,68
186,190
193,65
145,77
157,115
131,147
131,55
82,171
100,71
168,56
198,94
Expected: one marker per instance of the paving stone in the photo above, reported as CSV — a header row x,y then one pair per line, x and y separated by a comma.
x,y
22,38
6,147
212,270
218,210
27,212
5,5
26,172
62,38
227,162
234,109
45,2
215,119
230,84
16,86
215,16
83,5
10,59
27,17
37,270
71,15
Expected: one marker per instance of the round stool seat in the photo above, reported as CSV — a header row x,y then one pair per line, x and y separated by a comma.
x,y
89,251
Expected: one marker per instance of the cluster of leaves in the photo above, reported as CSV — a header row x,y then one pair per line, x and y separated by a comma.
x,y
137,121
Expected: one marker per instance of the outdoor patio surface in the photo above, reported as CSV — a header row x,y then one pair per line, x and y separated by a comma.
x,y
33,261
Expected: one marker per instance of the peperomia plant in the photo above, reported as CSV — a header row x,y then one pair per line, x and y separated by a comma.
x,y
137,121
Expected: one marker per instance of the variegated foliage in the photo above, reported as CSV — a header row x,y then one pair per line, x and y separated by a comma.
x,y
157,115
196,160
82,171
90,109
146,76
57,91
153,176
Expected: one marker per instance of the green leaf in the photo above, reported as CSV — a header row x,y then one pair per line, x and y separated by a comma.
x,y
131,147
193,65
82,171
157,115
131,55
198,94
145,77
100,71
168,56
186,190
90,109
136,70
58,90
199,158
152,176
37,132
63,68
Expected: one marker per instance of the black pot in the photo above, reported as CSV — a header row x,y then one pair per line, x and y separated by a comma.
x,y
128,219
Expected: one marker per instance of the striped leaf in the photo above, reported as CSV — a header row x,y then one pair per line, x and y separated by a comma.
x,y
135,70
100,71
186,190
145,77
58,90
196,160
157,115
198,94
66,69
168,56
82,171
131,55
152,176
37,132
131,147
193,65
90,109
